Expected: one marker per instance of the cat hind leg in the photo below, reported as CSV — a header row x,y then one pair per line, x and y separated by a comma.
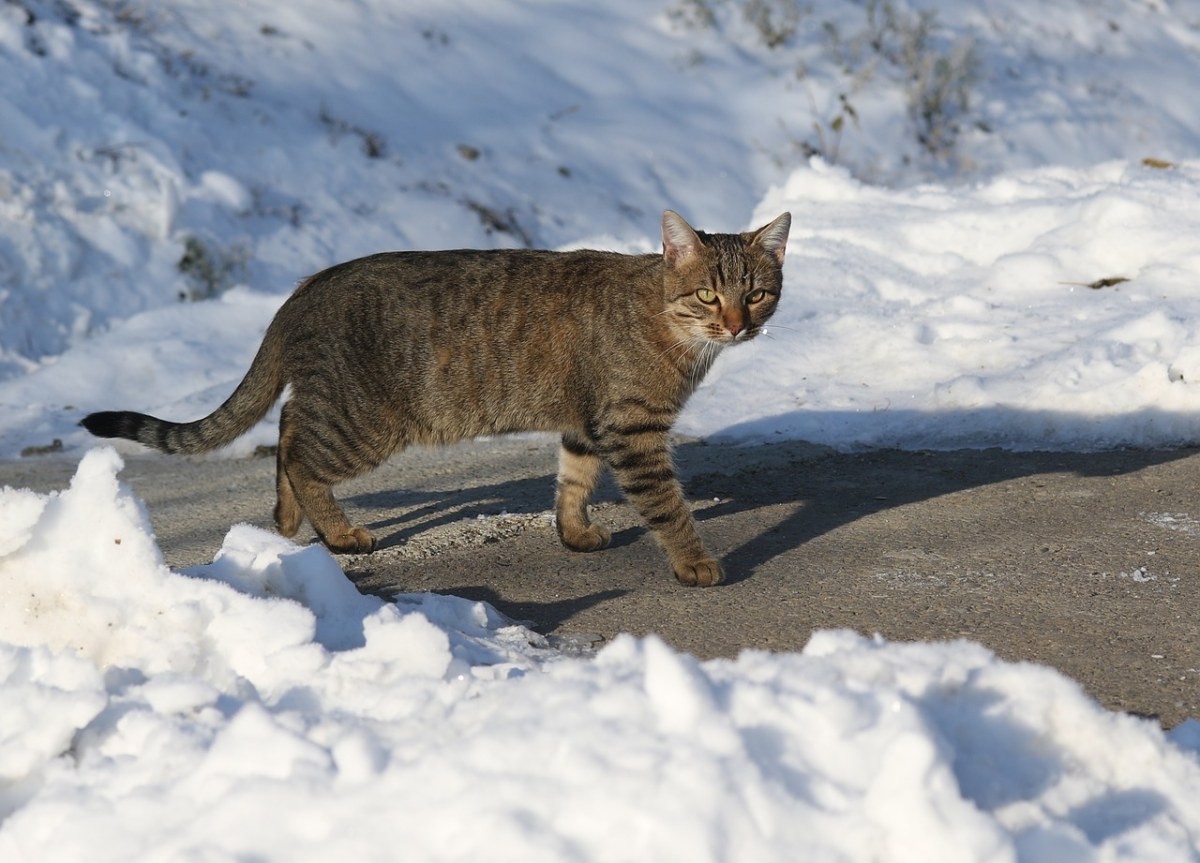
x,y
288,513
303,490
315,498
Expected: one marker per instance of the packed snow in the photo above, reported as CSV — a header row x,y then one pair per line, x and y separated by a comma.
x,y
995,242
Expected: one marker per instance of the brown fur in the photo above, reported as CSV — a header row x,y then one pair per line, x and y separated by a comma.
x,y
432,347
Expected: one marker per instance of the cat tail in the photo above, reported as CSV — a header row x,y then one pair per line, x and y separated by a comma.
x,y
249,403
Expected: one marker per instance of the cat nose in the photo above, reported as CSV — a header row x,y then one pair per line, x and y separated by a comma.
x,y
734,320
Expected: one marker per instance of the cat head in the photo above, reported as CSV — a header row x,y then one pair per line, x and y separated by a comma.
x,y
722,288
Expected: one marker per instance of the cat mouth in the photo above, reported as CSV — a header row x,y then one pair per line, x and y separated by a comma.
x,y
722,337
728,338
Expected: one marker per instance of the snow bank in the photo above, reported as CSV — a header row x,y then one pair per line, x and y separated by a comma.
x,y
1052,309
259,707
927,317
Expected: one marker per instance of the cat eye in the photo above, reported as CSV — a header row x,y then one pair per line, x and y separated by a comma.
x,y
756,296
706,295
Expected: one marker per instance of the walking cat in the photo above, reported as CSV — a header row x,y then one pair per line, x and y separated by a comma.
x,y
408,348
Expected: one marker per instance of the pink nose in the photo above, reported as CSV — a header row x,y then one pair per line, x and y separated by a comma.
x,y
734,327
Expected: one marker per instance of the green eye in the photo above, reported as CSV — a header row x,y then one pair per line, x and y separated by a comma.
x,y
706,295
756,296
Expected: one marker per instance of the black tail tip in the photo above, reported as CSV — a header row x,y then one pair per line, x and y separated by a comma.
x,y
112,424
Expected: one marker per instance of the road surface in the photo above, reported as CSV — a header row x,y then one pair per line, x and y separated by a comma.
x,y
1089,563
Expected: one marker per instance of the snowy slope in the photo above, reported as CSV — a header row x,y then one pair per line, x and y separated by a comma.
x,y
157,151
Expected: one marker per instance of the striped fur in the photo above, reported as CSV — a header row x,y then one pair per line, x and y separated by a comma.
x,y
432,347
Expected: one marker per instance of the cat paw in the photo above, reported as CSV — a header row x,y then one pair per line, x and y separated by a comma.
x,y
357,540
590,538
288,524
700,573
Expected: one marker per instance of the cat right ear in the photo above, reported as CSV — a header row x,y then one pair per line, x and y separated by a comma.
x,y
680,241
772,238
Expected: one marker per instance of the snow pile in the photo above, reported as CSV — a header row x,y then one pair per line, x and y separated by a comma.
x,y
259,707
1051,309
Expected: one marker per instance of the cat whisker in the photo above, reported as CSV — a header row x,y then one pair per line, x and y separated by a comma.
x,y
682,343
708,353
675,353
687,343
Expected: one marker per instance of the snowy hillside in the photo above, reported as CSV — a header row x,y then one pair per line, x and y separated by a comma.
x,y
158,151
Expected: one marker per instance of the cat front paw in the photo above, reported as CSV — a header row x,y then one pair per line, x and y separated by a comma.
x,y
588,538
700,573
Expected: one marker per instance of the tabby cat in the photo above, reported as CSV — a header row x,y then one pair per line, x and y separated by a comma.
x,y
433,347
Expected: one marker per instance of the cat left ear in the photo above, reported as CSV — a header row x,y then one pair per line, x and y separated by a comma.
x,y
680,241
772,238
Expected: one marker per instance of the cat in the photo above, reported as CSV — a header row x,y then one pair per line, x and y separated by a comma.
x,y
405,348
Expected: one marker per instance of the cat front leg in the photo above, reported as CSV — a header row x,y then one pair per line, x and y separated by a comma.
x,y
578,471
639,456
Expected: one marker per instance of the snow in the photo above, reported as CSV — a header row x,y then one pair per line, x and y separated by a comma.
x,y
173,151
259,707
168,171
933,317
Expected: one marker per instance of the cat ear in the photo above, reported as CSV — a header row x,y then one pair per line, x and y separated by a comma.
x,y
680,242
772,238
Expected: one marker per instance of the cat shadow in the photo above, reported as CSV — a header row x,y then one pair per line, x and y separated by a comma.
x,y
801,490
544,617
428,511
820,490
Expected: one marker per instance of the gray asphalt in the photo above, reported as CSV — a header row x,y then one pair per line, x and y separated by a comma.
x,y
1089,563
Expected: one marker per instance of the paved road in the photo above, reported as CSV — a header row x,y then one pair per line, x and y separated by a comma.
x,y
1086,562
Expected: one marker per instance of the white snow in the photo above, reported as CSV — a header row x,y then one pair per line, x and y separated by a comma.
x,y
936,296
935,317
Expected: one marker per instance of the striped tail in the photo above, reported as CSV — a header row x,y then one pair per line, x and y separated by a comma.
x,y
248,404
